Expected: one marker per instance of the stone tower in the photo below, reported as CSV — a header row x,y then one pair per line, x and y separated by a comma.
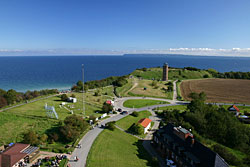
x,y
165,72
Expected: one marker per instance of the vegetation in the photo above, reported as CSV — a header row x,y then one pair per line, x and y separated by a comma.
x,y
115,81
137,129
111,125
148,88
126,122
64,97
106,108
174,73
72,128
138,103
121,148
18,121
213,124
11,96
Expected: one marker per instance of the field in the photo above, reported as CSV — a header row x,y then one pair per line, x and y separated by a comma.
x,y
174,74
121,150
15,122
219,90
151,91
126,122
177,107
138,103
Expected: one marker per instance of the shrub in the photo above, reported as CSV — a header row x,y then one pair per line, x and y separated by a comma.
x,y
135,114
64,97
137,129
227,155
111,125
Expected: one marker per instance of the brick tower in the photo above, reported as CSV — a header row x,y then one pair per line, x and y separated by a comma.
x,y
165,72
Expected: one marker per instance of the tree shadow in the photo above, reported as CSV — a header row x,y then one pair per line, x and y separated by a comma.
x,y
143,154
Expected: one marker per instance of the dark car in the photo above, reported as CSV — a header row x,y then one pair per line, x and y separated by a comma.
x,y
124,112
119,109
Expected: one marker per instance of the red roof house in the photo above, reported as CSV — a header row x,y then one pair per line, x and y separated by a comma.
x,y
146,123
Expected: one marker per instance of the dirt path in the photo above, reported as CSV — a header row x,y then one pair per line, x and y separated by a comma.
x,y
134,86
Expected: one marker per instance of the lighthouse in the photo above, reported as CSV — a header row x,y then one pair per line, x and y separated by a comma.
x,y
165,72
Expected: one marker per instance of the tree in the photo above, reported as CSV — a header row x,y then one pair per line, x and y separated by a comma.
x,y
10,96
3,102
107,107
43,138
73,95
111,125
64,97
31,138
137,129
135,114
73,127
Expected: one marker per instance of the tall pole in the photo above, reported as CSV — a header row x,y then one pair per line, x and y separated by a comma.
x,y
83,104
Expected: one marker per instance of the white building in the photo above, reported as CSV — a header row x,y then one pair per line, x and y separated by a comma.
x,y
72,99
146,123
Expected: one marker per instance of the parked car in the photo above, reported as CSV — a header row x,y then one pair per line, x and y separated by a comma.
x,y
124,112
119,109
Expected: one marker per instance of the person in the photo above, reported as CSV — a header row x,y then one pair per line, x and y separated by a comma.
x,y
76,158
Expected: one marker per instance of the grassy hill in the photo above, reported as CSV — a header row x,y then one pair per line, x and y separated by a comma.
x,y
174,74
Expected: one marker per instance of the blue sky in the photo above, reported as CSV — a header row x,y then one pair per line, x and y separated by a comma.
x,y
124,24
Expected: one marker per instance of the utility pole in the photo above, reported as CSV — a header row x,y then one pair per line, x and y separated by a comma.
x,y
83,104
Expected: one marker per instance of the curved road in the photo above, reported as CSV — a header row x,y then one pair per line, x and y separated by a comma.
x,y
89,138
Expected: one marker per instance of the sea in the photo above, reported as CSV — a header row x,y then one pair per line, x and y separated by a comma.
x,y
24,73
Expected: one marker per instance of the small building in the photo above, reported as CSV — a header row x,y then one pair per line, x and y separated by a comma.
x,y
146,123
234,110
18,155
110,102
179,145
72,99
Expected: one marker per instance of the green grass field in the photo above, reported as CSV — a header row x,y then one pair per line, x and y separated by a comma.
x,y
151,91
156,73
178,107
123,91
117,148
138,103
128,121
15,122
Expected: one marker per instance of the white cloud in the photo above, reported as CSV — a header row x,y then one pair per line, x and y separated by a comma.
x,y
245,52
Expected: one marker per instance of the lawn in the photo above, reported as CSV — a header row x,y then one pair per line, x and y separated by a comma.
x,y
15,122
123,91
160,90
117,148
126,122
178,107
174,74
138,103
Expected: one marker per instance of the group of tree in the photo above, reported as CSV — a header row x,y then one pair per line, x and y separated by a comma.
x,y
11,96
31,137
106,108
73,127
111,125
137,129
214,123
115,81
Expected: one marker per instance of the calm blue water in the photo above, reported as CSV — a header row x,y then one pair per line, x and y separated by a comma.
x,y
40,72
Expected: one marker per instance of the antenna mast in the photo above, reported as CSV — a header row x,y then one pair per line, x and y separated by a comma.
x,y
83,104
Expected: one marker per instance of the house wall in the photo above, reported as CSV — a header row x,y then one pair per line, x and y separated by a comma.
x,y
146,129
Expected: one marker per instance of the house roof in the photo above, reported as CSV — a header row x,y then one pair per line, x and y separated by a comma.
x,y
144,122
108,101
234,108
15,153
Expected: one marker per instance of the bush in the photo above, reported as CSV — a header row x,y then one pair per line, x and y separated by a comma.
x,y
135,114
137,129
205,76
64,97
227,155
111,125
